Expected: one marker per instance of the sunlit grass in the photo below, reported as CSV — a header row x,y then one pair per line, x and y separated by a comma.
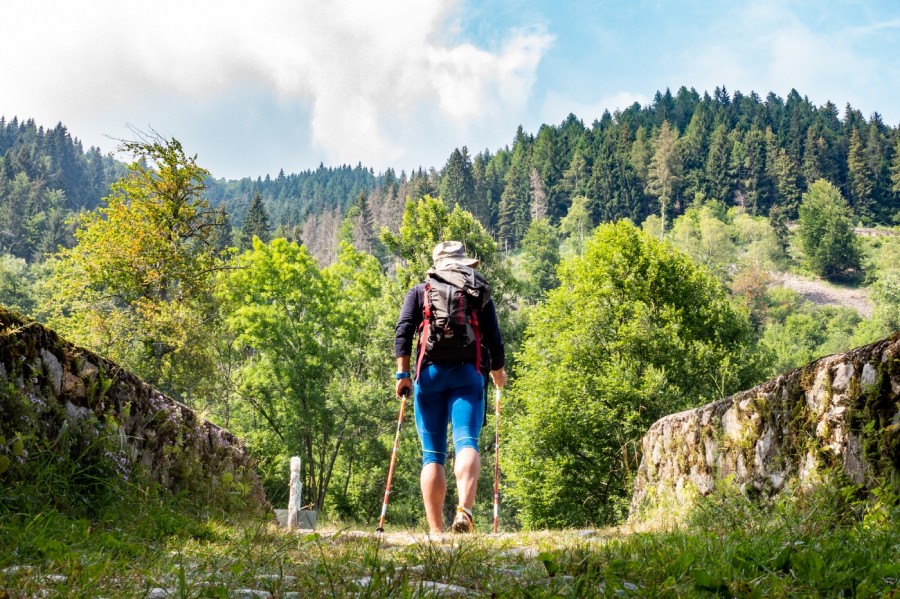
x,y
817,545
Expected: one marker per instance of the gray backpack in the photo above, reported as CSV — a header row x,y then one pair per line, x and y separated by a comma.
x,y
449,331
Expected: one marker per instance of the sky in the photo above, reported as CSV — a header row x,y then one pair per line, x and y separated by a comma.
x,y
253,88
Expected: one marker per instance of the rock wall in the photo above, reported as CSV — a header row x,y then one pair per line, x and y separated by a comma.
x,y
55,397
839,412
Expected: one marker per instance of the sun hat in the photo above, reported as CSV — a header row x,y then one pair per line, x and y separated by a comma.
x,y
452,252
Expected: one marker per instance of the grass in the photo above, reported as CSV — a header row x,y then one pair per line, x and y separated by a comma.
x,y
822,544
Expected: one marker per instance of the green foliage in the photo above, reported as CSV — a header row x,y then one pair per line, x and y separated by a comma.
x,y
576,226
703,233
759,241
256,224
664,173
799,332
540,248
826,235
16,283
426,223
458,184
310,373
137,286
45,178
634,331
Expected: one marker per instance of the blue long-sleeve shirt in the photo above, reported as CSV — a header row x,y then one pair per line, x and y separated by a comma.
x,y
411,317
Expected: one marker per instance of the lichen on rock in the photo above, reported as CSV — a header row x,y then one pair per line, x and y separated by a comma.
x,y
841,412
53,389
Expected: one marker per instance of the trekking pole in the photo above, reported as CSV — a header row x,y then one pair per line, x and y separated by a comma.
x,y
496,457
387,491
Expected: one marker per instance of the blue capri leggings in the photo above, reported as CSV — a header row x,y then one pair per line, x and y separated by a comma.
x,y
448,394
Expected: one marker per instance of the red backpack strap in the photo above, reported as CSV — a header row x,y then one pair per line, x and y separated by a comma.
x,y
423,328
477,330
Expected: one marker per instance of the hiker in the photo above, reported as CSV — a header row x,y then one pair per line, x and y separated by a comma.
x,y
448,381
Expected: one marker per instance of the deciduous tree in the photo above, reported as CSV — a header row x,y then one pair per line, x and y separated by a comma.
x,y
634,331
138,284
829,245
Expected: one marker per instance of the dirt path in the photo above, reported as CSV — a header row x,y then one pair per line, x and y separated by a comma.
x,y
825,294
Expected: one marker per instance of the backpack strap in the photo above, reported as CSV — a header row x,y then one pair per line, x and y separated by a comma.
x,y
477,330
423,328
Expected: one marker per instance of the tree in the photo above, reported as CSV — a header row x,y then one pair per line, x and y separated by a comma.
x,y
310,374
425,224
539,204
137,287
860,179
748,162
665,170
577,224
256,224
514,206
787,183
718,179
540,248
694,149
639,331
895,181
703,234
358,228
574,181
826,234
458,184
16,280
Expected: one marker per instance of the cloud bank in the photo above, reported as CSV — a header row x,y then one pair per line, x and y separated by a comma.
x,y
385,83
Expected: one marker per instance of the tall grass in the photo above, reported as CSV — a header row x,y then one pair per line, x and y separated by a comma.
x,y
832,542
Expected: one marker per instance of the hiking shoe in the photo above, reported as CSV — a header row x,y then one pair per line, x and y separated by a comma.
x,y
463,521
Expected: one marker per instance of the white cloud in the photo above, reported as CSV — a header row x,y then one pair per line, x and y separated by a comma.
x,y
371,74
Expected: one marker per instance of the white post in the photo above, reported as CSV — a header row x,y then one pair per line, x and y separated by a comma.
x,y
295,502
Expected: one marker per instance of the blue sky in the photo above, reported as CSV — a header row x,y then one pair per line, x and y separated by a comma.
x,y
400,83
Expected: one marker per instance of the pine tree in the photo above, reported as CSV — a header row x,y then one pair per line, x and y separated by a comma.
x,y
860,178
895,179
514,206
515,201
256,224
457,183
640,154
614,188
787,183
482,208
748,163
665,170
574,181
694,149
814,149
549,158
718,182
877,153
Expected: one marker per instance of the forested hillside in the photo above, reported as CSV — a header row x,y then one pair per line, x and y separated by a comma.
x,y
635,265
45,177
742,150
685,148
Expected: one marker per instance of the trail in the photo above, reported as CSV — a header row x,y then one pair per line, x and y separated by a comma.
x,y
825,294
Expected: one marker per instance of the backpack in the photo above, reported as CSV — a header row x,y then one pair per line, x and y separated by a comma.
x,y
449,331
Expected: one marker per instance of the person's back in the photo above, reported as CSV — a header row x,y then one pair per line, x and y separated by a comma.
x,y
453,315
